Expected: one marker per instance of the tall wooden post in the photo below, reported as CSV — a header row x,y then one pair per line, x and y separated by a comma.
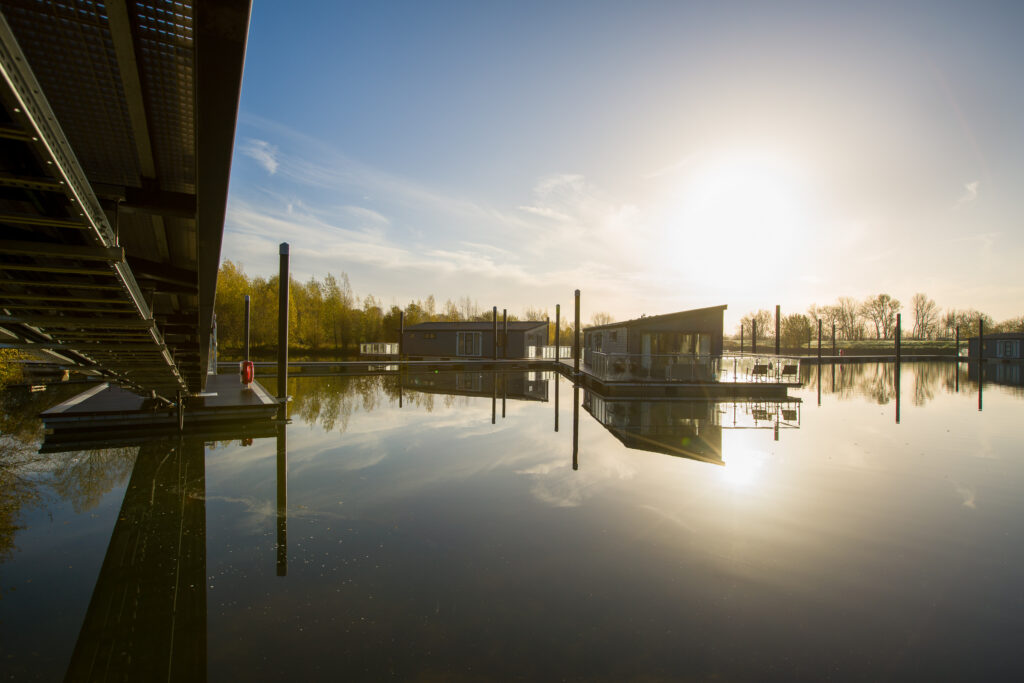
x,y
504,334
778,338
819,341
282,330
576,337
246,327
741,338
957,353
981,344
833,338
899,332
547,334
401,334
753,336
558,332
494,339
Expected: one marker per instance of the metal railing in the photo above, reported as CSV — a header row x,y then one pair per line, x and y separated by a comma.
x,y
685,367
548,352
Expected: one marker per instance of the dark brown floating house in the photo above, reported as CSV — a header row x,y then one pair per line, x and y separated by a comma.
x,y
999,346
674,346
450,340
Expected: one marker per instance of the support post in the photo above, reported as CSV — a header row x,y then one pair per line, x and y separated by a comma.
x,y
494,338
282,331
181,412
819,341
981,344
899,331
753,337
558,333
504,334
246,327
576,337
547,333
833,339
778,314
741,338
957,353
401,334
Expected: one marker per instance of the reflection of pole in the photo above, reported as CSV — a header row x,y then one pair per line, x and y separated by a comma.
x,y
282,332
282,500
898,372
981,382
957,363
246,327
833,377
557,382
575,426
494,396
819,384
504,393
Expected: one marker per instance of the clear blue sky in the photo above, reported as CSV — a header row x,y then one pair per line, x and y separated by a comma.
x,y
658,156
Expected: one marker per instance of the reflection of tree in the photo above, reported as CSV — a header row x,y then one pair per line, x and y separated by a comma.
x,y
27,477
877,380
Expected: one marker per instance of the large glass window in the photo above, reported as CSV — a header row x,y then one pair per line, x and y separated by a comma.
x,y
468,343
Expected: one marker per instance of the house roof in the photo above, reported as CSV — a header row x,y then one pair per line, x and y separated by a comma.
x,y
996,336
666,317
473,326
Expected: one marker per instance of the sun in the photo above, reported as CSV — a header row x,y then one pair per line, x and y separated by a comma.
x,y
743,213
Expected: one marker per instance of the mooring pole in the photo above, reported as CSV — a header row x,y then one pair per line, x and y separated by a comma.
x,y
753,337
504,334
282,331
576,339
401,334
819,341
833,338
981,344
494,340
899,331
778,313
547,335
246,327
741,338
957,352
558,333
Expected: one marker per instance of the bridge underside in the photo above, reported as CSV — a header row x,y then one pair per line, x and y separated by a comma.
x,y
117,125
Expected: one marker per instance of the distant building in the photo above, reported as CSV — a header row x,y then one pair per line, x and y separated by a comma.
x,y
654,346
472,339
1000,346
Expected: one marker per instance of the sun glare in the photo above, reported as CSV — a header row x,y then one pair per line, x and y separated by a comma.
x,y
745,212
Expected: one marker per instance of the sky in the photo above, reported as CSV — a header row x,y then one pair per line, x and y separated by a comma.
x,y
658,156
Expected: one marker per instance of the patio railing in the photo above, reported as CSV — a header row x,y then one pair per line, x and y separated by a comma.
x,y
685,367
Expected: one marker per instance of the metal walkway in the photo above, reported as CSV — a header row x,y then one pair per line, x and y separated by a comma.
x,y
111,211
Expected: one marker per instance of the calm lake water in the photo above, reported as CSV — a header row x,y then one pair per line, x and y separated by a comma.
x,y
458,536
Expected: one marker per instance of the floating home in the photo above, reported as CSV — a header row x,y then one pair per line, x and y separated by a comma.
x,y
453,340
1000,346
674,346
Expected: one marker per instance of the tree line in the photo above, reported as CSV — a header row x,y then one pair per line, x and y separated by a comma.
x,y
873,318
325,315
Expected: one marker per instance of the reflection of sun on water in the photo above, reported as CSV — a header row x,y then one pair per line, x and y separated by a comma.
x,y
743,467
740,212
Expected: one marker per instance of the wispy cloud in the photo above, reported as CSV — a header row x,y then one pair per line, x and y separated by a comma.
x,y
970,193
264,153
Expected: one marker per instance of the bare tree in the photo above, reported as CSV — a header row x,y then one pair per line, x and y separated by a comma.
x,y
601,318
849,318
881,310
926,316
765,324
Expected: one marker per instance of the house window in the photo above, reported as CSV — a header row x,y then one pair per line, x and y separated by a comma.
x,y
468,343
1007,349
429,335
613,336
597,341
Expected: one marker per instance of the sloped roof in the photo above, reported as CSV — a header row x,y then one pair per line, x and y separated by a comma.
x,y
665,317
473,326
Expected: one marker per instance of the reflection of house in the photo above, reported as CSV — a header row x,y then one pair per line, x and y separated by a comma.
x,y
472,339
522,386
674,346
1002,346
689,429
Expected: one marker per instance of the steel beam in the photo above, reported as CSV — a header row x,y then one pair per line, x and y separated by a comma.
x,y
68,251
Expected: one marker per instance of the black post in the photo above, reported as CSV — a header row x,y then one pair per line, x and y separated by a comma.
x,y
558,333
494,340
576,339
504,334
246,327
547,334
777,323
282,331
899,332
741,338
833,339
575,426
753,336
819,341
981,345
401,333
282,500
957,354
